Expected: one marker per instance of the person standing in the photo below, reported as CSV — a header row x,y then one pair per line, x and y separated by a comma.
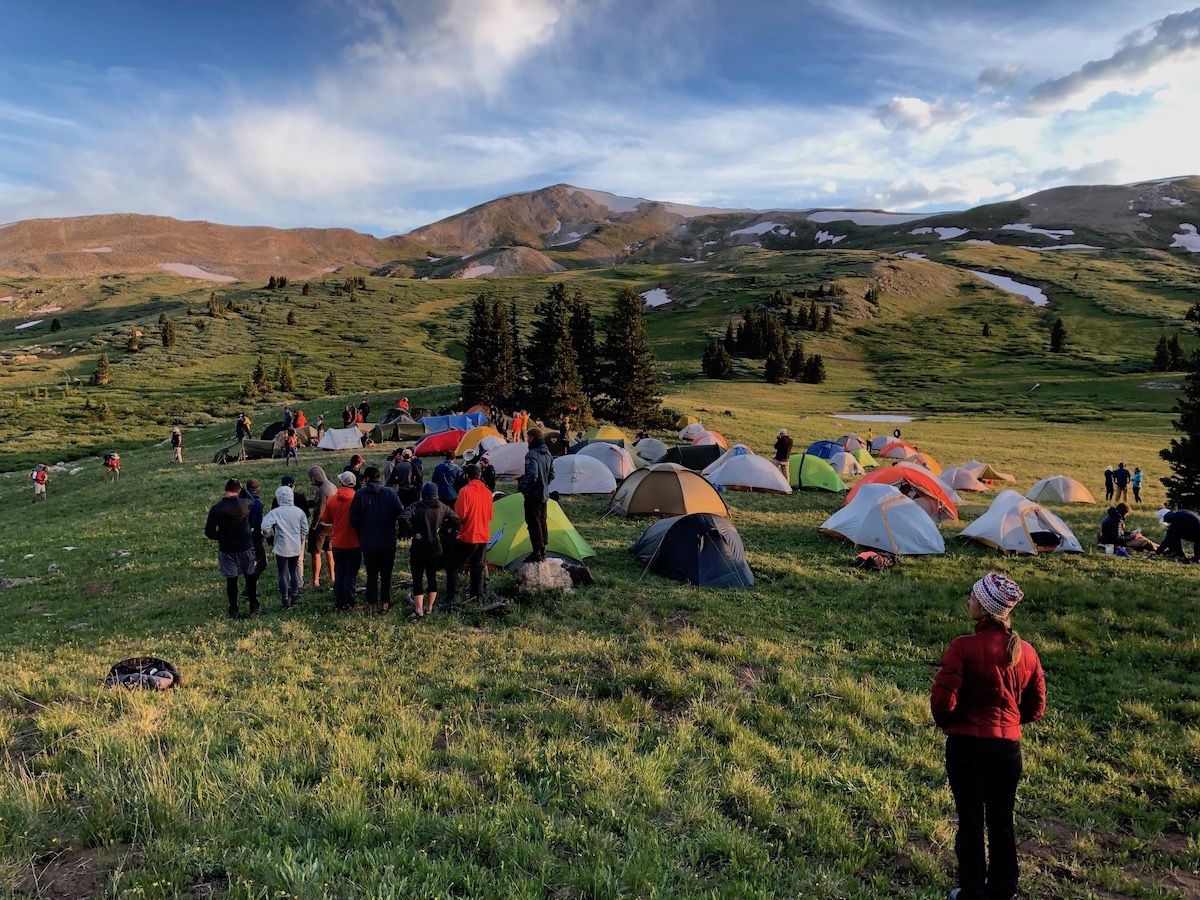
x,y
1121,484
427,521
355,467
406,478
40,476
374,513
301,420
318,538
534,485
287,419
1108,484
447,476
250,492
177,446
364,409
990,683
289,526
564,430
783,451
291,447
228,524
1135,482
320,427
474,509
242,431
347,555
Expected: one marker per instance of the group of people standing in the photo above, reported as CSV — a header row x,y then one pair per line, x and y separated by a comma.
x,y
1118,481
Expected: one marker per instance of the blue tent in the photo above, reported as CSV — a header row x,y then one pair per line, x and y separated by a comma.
x,y
824,449
465,422
698,548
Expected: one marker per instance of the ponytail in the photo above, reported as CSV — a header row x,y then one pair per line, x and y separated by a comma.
x,y
1014,640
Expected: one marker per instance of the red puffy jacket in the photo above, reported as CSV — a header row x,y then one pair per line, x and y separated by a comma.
x,y
978,694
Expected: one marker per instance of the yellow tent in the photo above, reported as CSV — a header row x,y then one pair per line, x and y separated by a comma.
x,y
685,421
471,439
609,433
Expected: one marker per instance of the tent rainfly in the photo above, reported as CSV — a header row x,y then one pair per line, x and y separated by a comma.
x,y
650,449
865,459
824,449
509,459
735,450
962,479
845,464
615,458
582,475
1017,525
701,549
665,489
472,438
510,542
438,443
986,472
691,456
1059,489
805,471
933,496
691,431
749,472
882,518
711,437
341,439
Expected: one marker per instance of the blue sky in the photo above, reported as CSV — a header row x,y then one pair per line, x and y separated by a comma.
x,y
385,115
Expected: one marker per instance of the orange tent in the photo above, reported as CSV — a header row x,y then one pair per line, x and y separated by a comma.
x,y
897,450
712,437
924,459
923,483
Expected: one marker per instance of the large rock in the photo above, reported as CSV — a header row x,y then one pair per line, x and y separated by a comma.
x,y
548,575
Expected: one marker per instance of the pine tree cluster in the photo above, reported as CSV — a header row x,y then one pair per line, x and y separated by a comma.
x,y
277,282
1169,355
1183,455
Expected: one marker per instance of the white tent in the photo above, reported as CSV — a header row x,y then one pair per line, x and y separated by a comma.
x,y
961,478
491,442
845,464
1059,489
881,441
1017,525
616,459
750,472
579,474
984,472
735,450
882,518
341,439
509,459
693,431
651,449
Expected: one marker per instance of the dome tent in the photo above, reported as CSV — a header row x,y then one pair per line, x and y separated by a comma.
x,y
691,431
582,475
610,433
962,479
437,444
938,500
1059,489
748,472
865,459
882,518
897,450
694,457
920,458
851,442
805,471
986,472
735,450
711,437
509,459
510,538
700,549
650,449
665,489
1017,525
471,439
845,464
613,457
685,420
824,449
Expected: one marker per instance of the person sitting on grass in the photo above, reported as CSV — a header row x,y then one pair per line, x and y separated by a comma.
x,y
1182,525
1112,531
432,525
990,683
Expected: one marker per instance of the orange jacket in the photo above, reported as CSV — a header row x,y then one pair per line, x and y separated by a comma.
x,y
336,513
474,507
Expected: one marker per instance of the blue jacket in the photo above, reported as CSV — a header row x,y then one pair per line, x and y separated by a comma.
x,y
373,513
535,483
256,514
1121,477
446,476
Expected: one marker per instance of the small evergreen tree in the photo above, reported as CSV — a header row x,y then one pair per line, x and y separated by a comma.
x,y
285,377
987,329
583,334
629,370
134,344
102,375
306,290
1193,314
249,391
55,325
730,339
331,384
814,369
1183,455
272,284
291,317
716,362
102,412
1176,360
1162,355
776,370
813,321
260,374
1058,336
827,319
796,361
214,308
872,295
167,330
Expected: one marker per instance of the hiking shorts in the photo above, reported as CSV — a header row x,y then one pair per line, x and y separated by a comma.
x,y
39,488
235,564
318,541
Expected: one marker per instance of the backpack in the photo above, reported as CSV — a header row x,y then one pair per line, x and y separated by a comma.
x,y
874,562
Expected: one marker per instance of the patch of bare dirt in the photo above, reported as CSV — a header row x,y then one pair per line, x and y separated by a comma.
x,y
207,888
73,874
96,588
747,677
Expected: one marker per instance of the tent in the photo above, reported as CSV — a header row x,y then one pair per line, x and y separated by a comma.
x,y
882,518
897,450
1060,489
271,431
700,549
341,439
824,449
582,475
435,424
735,450
985,472
665,489
650,449
935,498
370,432
609,433
694,457
254,450
851,442
470,440
691,431
616,459
805,471
685,421
711,438
1017,525
845,464
510,544
397,416
439,443
749,472
490,442
479,408
509,459
962,479
879,442
920,458
398,425
555,444
865,459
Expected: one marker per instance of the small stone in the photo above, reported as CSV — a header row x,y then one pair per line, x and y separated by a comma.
x,y
80,626
117,553
52,568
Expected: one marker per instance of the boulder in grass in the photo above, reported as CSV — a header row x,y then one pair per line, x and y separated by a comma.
x,y
548,575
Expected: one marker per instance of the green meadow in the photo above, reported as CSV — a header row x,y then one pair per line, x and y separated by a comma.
x,y
639,738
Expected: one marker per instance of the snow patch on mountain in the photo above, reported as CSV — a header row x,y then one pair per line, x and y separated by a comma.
x,y
943,233
1187,238
1029,229
656,297
865,217
823,236
760,228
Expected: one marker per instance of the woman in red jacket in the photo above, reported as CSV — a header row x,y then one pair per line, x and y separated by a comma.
x,y
990,684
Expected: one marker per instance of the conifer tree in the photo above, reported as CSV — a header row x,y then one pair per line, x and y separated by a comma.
x,y
514,332
1058,336
1183,455
291,317
776,371
730,338
168,332
134,344
987,329
102,412
284,376
55,325
814,369
1162,355
813,322
583,334
306,290
716,362
214,308
260,374
827,319
1176,359
1193,314
796,361
553,368
629,369
272,284
331,384
102,375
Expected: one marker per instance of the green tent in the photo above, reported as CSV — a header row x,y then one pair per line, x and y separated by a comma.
x,y
807,471
510,537
865,459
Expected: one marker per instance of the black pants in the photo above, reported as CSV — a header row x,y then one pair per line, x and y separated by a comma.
x,y
1172,545
535,521
474,557
345,576
260,566
379,565
231,594
423,564
983,774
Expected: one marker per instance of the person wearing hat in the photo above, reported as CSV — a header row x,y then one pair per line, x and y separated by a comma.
x,y
534,486
177,445
989,684
428,521
374,514
1182,525
1112,531
783,451
474,508
347,554
406,477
